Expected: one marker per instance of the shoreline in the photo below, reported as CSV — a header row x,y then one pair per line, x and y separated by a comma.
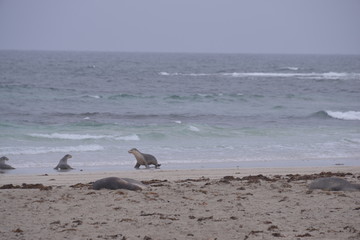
x,y
72,177
303,163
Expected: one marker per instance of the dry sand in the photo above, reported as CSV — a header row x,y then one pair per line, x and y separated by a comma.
x,y
273,203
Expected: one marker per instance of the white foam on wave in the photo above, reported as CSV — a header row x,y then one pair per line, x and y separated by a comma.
x,y
194,129
308,75
67,136
42,150
286,75
92,96
185,74
133,137
164,73
350,115
291,68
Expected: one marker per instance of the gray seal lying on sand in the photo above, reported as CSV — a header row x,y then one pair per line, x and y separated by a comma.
x,y
144,159
3,165
63,165
118,183
334,184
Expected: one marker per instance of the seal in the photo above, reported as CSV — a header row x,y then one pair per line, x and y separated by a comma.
x,y
144,159
3,165
63,165
118,183
333,184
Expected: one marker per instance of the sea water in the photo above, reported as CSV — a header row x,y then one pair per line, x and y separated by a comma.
x,y
189,110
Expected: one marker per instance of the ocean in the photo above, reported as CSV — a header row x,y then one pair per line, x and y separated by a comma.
x,y
189,110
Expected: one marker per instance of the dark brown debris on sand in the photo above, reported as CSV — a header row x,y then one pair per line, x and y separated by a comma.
x,y
201,179
288,177
27,186
298,177
82,185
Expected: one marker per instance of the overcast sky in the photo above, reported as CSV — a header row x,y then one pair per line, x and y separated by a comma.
x,y
229,26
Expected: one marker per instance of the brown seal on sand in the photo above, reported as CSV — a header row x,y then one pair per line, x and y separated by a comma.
x,y
118,183
3,165
144,159
63,165
333,184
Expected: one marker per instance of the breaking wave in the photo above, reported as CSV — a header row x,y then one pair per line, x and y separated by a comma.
x,y
349,115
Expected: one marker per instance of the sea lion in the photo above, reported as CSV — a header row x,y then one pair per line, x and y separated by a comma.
x,y
3,165
144,159
333,184
118,183
63,165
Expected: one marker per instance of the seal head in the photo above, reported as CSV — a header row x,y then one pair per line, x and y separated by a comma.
x,y
144,159
63,165
3,165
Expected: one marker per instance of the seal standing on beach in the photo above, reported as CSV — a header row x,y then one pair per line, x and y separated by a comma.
x,y
334,184
3,165
63,165
144,159
118,183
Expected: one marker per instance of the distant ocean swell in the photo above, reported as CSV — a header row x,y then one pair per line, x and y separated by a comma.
x,y
197,96
43,150
309,75
122,122
177,118
132,137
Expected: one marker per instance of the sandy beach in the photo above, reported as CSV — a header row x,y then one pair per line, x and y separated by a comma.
x,y
254,203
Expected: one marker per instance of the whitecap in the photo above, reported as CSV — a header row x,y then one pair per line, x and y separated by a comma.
x,y
92,96
309,75
350,115
194,129
67,136
164,73
95,96
133,137
305,75
290,68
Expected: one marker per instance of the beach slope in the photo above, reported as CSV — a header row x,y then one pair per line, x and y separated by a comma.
x,y
185,204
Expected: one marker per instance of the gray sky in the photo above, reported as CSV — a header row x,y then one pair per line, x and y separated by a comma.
x,y
229,26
